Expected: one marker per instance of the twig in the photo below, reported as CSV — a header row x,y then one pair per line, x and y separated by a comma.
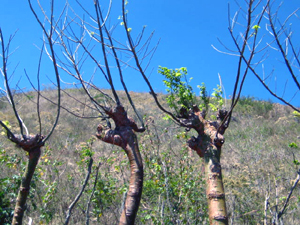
x,y
282,211
93,191
80,193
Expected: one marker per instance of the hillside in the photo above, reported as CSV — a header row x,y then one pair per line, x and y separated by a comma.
x,y
257,163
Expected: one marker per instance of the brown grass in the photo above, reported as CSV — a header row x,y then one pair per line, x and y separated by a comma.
x,y
255,159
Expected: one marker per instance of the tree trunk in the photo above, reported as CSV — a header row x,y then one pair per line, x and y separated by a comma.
x,y
123,135
20,207
214,187
135,184
208,146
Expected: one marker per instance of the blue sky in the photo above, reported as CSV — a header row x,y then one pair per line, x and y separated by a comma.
x,y
186,30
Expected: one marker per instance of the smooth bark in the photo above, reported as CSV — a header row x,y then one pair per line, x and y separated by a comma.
x,y
136,181
123,135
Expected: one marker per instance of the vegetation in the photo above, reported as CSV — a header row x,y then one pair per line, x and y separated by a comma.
x,y
181,93
258,161
94,178
209,140
30,141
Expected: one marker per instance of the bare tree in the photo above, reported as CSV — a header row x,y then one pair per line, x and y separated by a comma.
x,y
208,143
23,139
77,49
258,31
266,47
90,43
81,40
209,140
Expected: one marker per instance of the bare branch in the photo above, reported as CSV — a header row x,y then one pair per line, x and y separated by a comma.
x,y
92,193
50,42
279,45
98,11
132,48
296,181
7,87
72,205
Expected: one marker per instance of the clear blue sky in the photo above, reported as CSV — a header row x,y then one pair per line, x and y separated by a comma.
x,y
186,29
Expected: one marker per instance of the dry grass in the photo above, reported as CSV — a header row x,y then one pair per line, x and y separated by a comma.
x,y
255,159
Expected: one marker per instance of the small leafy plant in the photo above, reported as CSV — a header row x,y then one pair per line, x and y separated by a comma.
x,y
181,94
294,145
214,102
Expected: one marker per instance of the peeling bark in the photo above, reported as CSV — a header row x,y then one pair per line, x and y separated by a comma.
x,y
123,135
208,146
214,187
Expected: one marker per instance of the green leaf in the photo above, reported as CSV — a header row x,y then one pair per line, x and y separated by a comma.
x,y
293,145
296,162
255,27
167,117
147,217
181,94
296,114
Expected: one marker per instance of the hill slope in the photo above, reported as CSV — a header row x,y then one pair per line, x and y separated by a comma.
x,y
257,165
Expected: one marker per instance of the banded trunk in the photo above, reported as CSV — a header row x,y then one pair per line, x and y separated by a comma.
x,y
214,188
208,145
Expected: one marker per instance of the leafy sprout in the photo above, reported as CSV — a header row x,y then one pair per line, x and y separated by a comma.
x,y
255,27
296,114
181,94
293,145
